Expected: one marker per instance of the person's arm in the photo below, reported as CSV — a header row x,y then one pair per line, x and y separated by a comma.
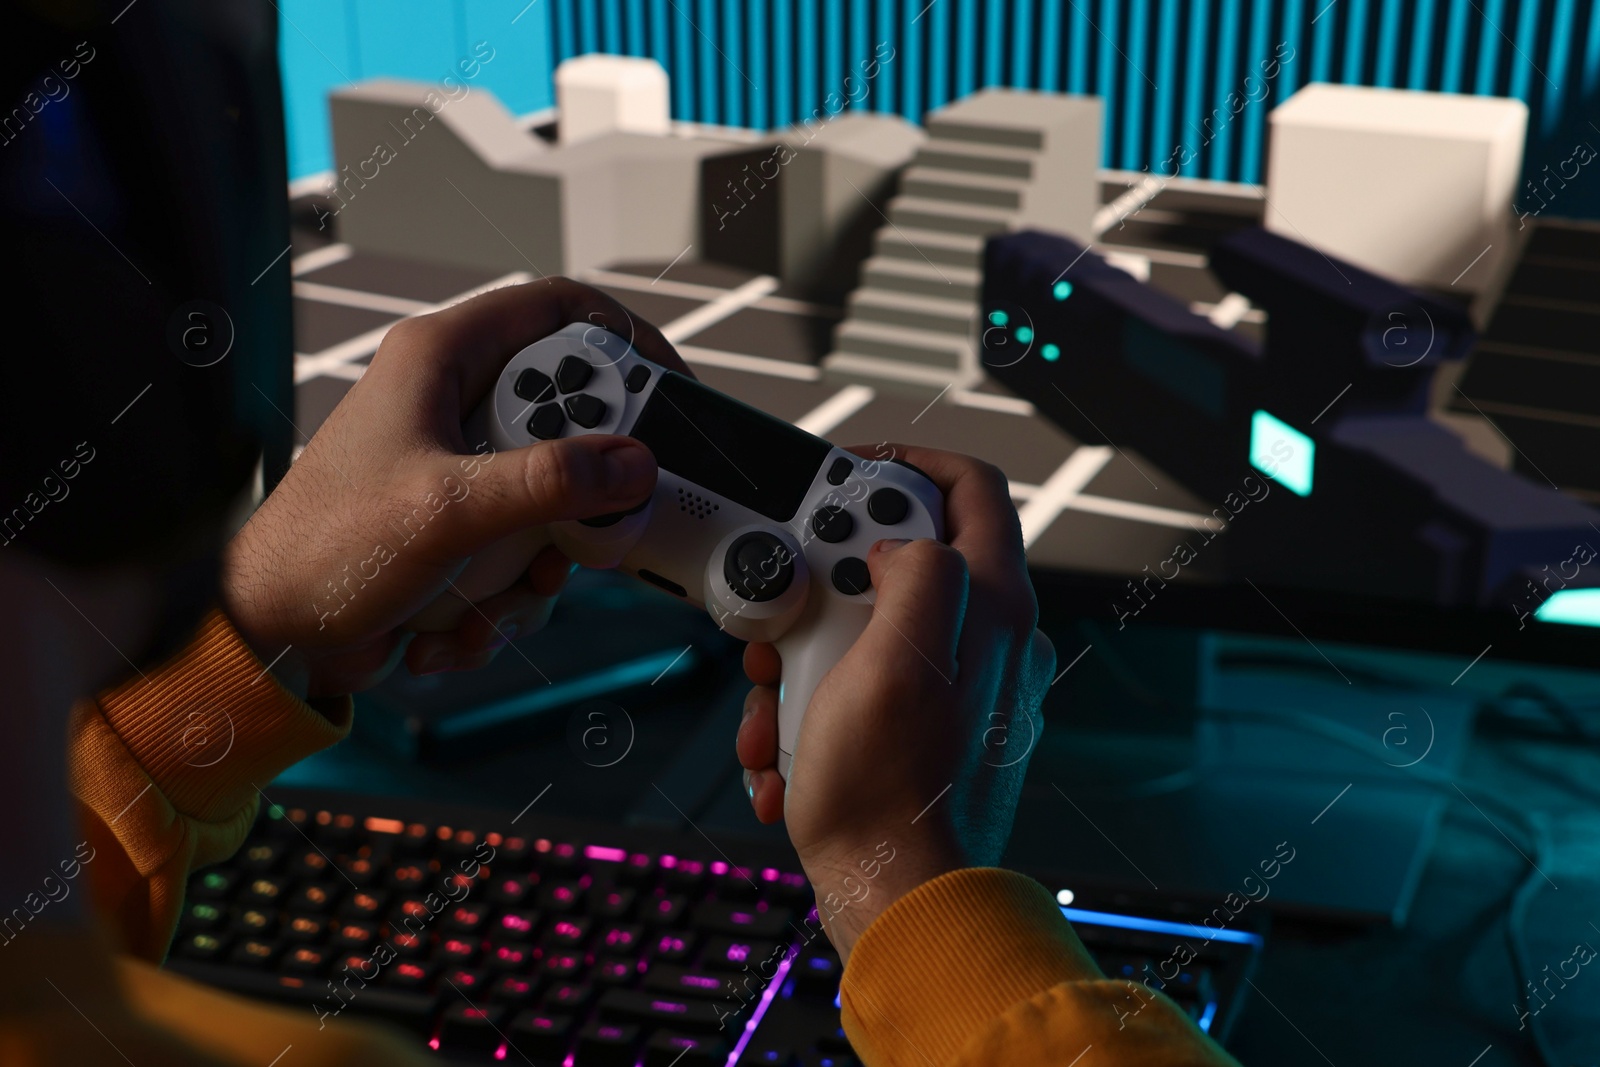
x,y
899,804
978,966
168,769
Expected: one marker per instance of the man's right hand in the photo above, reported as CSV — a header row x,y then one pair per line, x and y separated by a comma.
x,y
915,745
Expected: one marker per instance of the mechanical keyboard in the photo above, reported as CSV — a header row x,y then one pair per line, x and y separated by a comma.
x,y
557,943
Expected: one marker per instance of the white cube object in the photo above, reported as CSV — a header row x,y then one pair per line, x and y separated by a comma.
x,y
1411,185
598,94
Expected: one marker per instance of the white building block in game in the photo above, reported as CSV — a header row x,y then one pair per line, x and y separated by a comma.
x,y
1411,185
598,94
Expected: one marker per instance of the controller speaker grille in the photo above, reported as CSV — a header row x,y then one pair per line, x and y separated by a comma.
x,y
695,504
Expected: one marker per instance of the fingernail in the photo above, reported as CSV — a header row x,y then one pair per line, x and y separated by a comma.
x,y
629,468
748,788
754,780
889,544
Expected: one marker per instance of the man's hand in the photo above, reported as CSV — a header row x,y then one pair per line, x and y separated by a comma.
x,y
911,755
388,502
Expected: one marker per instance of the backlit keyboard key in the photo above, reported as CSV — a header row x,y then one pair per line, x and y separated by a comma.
x,y
664,911
607,1044
614,904
676,946
306,960
541,1035
469,1028
668,1049
515,925
514,990
684,982
561,897
724,917
737,954
410,974
515,956
569,997
688,1014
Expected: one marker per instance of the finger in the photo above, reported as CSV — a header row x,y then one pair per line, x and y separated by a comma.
x,y
757,740
981,523
766,789
761,663
921,600
549,571
486,628
467,345
573,478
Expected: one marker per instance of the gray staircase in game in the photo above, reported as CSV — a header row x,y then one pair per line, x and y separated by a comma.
x,y
996,161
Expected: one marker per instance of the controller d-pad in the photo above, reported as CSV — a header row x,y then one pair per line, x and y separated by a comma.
x,y
839,470
851,577
832,524
637,379
547,422
758,567
534,386
573,373
887,506
586,410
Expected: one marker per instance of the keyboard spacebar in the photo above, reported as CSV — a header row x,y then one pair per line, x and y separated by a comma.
x,y
402,1006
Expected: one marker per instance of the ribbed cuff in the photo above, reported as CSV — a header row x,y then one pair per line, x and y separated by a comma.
x,y
211,725
949,958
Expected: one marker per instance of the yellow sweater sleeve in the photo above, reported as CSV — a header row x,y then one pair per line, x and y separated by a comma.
x,y
979,967
168,769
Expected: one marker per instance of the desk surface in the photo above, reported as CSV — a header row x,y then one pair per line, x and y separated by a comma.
x,y
1438,991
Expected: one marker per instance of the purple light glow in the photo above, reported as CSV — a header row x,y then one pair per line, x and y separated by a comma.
x,y
767,996
601,852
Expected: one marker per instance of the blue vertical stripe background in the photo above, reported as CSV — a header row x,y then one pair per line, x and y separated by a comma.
x,y
1166,70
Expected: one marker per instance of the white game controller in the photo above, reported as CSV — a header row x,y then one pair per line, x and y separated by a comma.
x,y
764,525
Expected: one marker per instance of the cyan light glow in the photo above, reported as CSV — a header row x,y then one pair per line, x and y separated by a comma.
x,y
1061,290
1024,334
1051,353
1281,452
1160,926
1575,607
998,318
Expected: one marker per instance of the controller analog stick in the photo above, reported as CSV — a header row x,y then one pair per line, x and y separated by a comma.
x,y
758,567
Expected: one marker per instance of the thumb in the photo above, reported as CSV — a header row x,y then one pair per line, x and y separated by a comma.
x,y
919,604
571,478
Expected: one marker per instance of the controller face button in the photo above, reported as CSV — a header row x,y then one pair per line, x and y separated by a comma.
x,y
758,567
851,577
887,506
832,524
637,379
573,373
547,422
586,410
839,471
534,386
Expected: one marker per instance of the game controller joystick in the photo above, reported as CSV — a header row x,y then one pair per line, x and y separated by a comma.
x,y
764,525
